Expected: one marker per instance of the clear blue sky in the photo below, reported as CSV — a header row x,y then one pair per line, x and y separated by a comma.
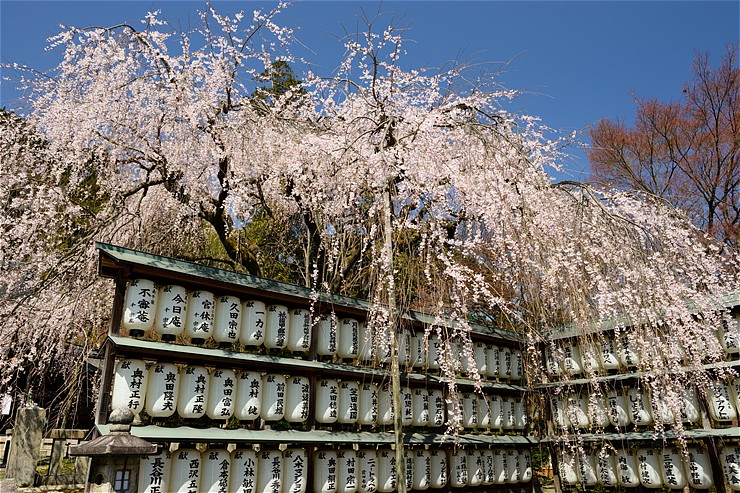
x,y
579,61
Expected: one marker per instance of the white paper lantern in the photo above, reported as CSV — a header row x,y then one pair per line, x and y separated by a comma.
x,y
476,468
129,385
490,473
434,345
347,474
253,328
458,468
367,461
139,307
327,401
513,474
387,471
349,338
439,476
525,466
639,407
172,309
484,410
508,404
730,334
557,410
671,466
606,467
496,404
243,471
422,469
553,361
368,404
437,404
517,365
500,471
385,406
420,404
248,396
699,469
628,355
215,467
299,332
506,366
199,321
418,350
277,321
618,408
221,394
227,320
648,463
295,470
492,361
383,351
587,470
407,406
609,353
297,399
628,472
326,335
479,354
735,392
579,412
185,471
154,472
589,357
269,471
598,411
470,410
192,395
273,397
572,363
408,457
568,470
729,458
366,334
721,407
404,349
349,396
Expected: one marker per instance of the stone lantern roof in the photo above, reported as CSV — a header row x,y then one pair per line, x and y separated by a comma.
x,y
119,442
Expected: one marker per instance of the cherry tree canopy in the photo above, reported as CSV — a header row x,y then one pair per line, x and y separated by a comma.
x,y
155,141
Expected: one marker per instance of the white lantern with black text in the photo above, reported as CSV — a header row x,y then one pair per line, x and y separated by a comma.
x,y
509,413
273,397
639,407
295,470
609,353
387,471
628,471
215,471
422,469
699,469
517,365
568,470
199,320
505,363
458,460
420,403
476,469
327,401
243,477
520,413
496,404
513,474
154,472
470,409
648,463
433,344
297,399
606,467
349,338
437,406
572,362
299,332
185,471
525,466
492,361
368,404
252,332
326,335
172,305
227,320
130,385
618,408
500,473
479,354
439,476
193,392
366,335
729,458
347,473
348,402
139,307
671,466
587,470
628,355
221,394
385,406
277,322
248,396
721,407
730,334
367,463
269,471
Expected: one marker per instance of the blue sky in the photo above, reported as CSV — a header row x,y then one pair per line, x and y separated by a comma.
x,y
577,61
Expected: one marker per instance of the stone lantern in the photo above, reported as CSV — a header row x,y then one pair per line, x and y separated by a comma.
x,y
114,458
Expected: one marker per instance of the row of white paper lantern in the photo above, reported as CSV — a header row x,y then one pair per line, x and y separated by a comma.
x,y
621,407
200,315
610,353
646,467
334,471
164,389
